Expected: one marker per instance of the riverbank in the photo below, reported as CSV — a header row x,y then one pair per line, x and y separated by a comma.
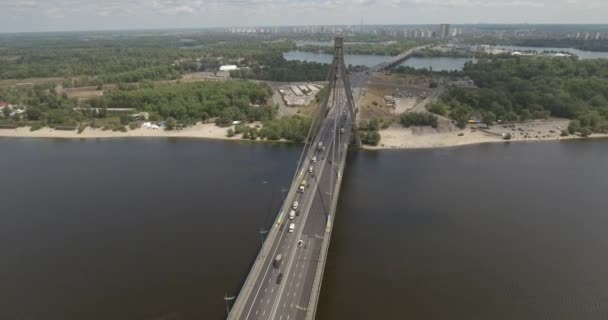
x,y
397,137
394,137
205,131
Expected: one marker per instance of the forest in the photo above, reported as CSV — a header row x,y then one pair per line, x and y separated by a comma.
x,y
92,60
185,103
524,88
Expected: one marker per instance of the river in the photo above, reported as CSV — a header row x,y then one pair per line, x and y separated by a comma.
x,y
438,64
164,228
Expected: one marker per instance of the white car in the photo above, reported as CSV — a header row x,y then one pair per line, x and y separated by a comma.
x,y
314,159
292,227
310,170
296,205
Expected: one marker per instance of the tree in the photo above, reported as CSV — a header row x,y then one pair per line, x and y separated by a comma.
x,y
125,119
461,115
437,107
6,111
230,133
489,118
574,126
371,138
33,113
525,115
171,124
418,119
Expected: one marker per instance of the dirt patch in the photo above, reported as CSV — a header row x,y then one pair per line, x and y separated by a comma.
x,y
30,82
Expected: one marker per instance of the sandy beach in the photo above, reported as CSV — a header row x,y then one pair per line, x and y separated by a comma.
x,y
207,131
397,137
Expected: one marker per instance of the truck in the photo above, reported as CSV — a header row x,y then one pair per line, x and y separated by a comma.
x,y
277,260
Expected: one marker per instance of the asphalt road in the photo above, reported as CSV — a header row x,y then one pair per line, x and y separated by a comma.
x,y
264,296
269,299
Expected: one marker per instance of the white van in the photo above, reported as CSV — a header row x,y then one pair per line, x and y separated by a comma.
x,y
292,227
292,214
296,205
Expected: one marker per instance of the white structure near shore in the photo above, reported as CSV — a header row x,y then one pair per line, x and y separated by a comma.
x,y
229,67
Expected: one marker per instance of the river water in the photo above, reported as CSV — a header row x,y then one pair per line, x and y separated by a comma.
x,y
437,63
164,228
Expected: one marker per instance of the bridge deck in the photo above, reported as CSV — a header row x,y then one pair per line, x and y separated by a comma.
x,y
295,296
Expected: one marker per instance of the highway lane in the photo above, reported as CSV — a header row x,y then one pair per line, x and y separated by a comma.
x,y
264,298
293,301
293,304
266,290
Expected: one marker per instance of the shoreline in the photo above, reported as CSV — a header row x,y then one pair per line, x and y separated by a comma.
x,y
392,139
473,143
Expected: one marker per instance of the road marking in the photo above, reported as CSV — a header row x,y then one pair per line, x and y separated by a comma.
x,y
265,289
264,313
298,284
257,311
298,235
272,291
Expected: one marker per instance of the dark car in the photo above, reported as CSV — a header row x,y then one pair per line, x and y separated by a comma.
x,y
280,278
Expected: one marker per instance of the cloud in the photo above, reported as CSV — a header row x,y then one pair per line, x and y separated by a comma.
x,y
88,14
468,3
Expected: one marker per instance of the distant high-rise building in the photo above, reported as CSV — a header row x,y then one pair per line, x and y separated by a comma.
x,y
445,31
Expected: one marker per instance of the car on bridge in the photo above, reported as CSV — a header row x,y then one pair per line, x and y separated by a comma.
x,y
277,260
311,169
292,214
296,204
292,227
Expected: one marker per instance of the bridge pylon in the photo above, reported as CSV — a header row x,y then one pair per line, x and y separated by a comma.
x,y
338,79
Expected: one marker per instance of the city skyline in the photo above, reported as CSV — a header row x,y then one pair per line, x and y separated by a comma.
x,y
75,15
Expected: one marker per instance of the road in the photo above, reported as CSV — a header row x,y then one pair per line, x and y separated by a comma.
x,y
269,299
263,295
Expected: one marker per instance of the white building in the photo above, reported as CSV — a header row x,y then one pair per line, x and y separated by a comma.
x,y
230,67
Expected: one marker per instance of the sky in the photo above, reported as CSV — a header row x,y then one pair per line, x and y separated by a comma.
x,y
72,15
